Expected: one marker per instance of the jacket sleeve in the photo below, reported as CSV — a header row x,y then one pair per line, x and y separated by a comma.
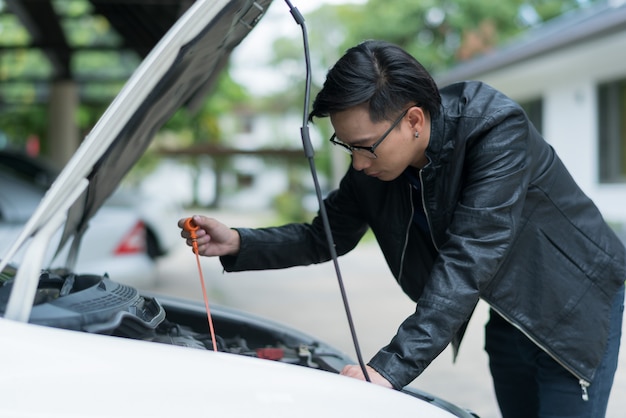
x,y
301,244
473,235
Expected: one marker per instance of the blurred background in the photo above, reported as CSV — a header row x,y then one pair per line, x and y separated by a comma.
x,y
63,61
238,154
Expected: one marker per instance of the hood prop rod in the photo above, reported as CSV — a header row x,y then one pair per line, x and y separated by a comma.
x,y
309,153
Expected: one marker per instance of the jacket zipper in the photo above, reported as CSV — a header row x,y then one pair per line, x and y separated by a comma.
x,y
430,228
584,384
406,235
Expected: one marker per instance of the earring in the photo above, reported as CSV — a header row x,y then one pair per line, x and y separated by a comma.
x,y
417,134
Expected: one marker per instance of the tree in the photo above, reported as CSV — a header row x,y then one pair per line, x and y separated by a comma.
x,y
441,33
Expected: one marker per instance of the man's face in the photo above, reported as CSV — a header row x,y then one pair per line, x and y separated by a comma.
x,y
395,146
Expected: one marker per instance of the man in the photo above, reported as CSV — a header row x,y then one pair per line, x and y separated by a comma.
x,y
466,201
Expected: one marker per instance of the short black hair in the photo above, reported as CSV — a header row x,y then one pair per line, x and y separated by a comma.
x,y
381,74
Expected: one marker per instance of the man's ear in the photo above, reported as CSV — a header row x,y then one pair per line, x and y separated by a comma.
x,y
417,118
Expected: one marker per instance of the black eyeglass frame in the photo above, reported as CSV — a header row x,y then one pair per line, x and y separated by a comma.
x,y
368,151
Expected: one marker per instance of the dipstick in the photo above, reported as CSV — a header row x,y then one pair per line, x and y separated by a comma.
x,y
191,227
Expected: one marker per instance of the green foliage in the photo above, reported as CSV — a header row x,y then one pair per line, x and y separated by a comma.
x,y
18,62
13,33
19,123
289,205
201,125
439,33
289,208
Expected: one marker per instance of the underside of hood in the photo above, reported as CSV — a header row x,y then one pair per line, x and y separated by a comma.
x,y
189,78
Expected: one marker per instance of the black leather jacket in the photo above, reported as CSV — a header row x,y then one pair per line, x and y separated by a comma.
x,y
507,224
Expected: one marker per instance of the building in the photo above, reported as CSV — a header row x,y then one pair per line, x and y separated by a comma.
x,y
570,75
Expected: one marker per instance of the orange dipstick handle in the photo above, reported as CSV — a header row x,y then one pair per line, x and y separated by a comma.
x,y
191,227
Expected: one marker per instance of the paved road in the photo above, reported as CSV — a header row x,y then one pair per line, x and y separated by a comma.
x,y
308,298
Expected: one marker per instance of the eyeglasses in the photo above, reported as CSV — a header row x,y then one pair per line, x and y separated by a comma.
x,y
368,152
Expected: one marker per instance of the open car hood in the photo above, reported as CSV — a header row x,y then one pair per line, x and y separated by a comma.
x,y
179,71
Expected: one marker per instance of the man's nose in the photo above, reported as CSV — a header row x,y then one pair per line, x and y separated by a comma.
x,y
360,162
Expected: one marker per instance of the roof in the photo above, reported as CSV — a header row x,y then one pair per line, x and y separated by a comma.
x,y
570,29
138,24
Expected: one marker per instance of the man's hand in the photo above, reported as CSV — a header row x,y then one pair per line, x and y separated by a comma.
x,y
213,237
355,371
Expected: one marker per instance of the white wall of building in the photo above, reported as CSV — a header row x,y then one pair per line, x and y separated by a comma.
x,y
569,128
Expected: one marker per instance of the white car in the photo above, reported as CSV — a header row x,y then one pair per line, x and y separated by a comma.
x,y
157,213
79,344
115,242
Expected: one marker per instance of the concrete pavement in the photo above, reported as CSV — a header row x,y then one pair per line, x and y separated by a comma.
x,y
308,298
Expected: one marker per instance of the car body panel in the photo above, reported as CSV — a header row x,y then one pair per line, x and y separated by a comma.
x,y
122,381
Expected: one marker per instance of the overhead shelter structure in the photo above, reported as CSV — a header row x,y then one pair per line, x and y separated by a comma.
x,y
130,29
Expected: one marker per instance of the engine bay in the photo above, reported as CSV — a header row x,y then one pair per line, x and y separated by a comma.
x,y
97,304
